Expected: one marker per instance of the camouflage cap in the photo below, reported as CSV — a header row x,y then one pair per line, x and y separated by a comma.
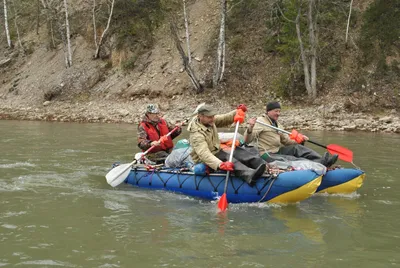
x,y
152,109
206,110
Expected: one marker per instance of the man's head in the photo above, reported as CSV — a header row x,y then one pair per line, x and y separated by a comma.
x,y
273,110
153,112
206,114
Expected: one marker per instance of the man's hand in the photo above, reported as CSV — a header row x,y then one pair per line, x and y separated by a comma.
x,y
228,166
163,139
239,116
242,107
250,124
296,136
155,143
180,124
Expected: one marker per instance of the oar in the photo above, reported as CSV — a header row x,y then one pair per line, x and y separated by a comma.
x,y
117,175
223,201
343,153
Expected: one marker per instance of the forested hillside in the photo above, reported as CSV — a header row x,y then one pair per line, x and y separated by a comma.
x,y
130,51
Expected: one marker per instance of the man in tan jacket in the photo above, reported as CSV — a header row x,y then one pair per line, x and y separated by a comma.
x,y
270,141
206,144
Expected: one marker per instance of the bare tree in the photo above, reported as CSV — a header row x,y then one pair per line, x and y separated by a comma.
x,y
69,53
10,45
94,23
51,8
220,62
57,23
187,32
100,43
174,31
312,91
38,17
16,26
348,21
309,55
44,3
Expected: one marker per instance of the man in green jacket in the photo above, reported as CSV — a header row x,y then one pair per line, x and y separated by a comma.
x,y
206,144
270,141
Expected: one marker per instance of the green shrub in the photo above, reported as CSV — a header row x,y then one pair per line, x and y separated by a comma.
x,y
380,31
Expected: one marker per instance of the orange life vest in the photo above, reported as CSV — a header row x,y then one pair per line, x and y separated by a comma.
x,y
228,145
153,135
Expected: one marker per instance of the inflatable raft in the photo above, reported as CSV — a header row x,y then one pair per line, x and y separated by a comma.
x,y
341,181
287,187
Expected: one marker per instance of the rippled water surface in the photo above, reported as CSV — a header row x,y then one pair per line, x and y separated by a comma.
x,y
56,209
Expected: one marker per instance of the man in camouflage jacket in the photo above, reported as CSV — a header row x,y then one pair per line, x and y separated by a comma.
x,y
206,145
270,141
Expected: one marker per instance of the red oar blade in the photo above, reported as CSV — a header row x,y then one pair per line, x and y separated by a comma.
x,y
343,153
223,203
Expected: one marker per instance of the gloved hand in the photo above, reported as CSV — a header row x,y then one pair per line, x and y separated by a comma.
x,y
242,107
239,116
163,139
296,136
228,166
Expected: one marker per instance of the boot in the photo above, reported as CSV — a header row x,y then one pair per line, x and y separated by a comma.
x,y
332,160
251,175
256,162
259,171
324,160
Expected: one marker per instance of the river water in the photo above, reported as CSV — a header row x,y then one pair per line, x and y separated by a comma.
x,y
56,209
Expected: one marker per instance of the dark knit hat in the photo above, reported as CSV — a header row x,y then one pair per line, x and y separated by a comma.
x,y
273,105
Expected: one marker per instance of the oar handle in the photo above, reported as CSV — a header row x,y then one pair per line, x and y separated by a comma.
x,y
316,143
273,127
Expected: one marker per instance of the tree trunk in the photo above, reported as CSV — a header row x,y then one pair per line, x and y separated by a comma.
x,y
16,26
94,23
313,49
197,86
53,42
6,25
97,53
303,55
348,22
187,33
220,62
68,34
38,17
44,4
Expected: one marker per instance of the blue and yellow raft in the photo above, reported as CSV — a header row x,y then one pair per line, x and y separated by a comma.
x,y
341,181
287,187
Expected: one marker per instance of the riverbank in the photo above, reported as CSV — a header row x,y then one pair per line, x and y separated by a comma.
x,y
331,117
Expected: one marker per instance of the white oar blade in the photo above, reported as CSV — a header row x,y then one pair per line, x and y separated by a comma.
x,y
118,175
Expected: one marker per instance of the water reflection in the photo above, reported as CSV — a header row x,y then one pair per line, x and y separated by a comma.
x,y
298,222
